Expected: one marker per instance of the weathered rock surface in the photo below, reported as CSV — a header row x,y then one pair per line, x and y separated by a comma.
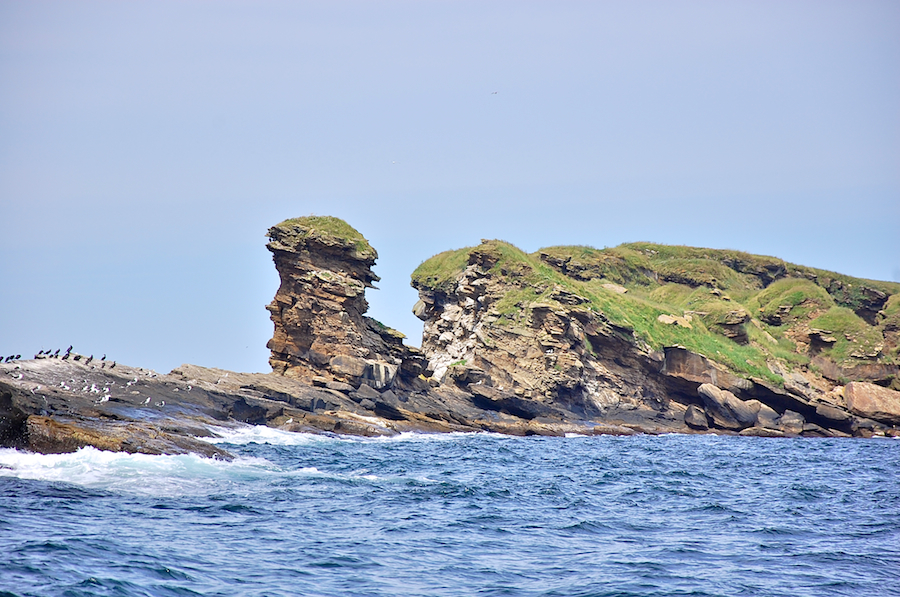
x,y
318,311
873,402
507,347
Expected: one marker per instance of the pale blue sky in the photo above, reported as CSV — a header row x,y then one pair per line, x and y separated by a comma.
x,y
145,148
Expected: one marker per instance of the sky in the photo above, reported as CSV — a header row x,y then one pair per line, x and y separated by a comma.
x,y
146,147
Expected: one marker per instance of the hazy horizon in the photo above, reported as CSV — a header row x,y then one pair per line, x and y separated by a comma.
x,y
145,148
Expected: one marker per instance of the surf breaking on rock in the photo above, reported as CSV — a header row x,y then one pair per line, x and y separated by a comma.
x,y
569,340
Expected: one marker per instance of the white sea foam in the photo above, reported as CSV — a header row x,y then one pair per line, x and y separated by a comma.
x,y
260,434
133,473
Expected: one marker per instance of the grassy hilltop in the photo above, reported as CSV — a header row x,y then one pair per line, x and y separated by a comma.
x,y
741,310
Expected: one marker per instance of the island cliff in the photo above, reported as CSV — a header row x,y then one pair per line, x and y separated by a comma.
x,y
640,338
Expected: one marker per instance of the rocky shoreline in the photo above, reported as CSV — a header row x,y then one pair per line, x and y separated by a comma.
x,y
552,366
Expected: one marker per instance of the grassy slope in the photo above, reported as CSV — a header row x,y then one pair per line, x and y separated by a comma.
x,y
714,287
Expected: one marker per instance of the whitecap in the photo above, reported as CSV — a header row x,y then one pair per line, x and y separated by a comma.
x,y
145,474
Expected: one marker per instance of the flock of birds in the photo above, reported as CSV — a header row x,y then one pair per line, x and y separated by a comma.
x,y
89,388
49,354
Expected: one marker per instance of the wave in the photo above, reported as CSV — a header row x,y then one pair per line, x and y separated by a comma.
x,y
144,474
242,435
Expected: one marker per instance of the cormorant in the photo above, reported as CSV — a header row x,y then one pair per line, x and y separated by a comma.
x,y
18,356
56,354
90,358
113,366
69,349
103,358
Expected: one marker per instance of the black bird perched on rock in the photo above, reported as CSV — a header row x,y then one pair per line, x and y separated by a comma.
x,y
66,356
6,360
56,354
90,358
113,366
103,358
18,356
69,349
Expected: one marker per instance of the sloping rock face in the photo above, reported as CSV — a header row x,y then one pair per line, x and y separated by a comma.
x,y
571,340
559,356
325,267
499,326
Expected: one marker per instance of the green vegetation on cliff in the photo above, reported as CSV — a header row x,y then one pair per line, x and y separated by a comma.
x,y
738,309
324,227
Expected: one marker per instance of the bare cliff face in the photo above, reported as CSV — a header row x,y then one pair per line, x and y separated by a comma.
x,y
319,310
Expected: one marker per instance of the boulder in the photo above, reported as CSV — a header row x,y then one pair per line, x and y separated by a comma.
x,y
364,392
347,366
766,417
726,409
873,402
695,417
832,413
339,386
791,422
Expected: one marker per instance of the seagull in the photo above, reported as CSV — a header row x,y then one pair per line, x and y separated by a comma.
x,y
147,401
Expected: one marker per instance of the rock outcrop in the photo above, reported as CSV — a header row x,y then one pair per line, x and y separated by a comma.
x,y
570,340
319,310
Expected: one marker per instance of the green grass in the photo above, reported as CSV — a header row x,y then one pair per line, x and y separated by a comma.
x,y
722,287
854,338
801,295
328,226
440,272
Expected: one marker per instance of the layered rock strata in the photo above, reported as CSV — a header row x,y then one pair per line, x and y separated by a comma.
x,y
563,342
516,338
319,310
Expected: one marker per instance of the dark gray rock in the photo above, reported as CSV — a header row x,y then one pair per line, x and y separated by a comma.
x,y
339,386
726,410
366,391
791,422
695,417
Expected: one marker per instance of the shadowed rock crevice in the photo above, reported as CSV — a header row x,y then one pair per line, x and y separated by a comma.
x,y
640,338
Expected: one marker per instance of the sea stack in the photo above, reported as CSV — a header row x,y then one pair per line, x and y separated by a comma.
x,y
325,266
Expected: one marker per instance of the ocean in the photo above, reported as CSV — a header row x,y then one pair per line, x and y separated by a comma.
x,y
457,515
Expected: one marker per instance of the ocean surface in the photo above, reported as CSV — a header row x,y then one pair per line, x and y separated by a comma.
x,y
458,514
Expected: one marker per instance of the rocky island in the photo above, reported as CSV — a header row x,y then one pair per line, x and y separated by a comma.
x,y
639,338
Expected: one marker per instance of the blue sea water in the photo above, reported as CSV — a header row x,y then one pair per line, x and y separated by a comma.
x,y
458,514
